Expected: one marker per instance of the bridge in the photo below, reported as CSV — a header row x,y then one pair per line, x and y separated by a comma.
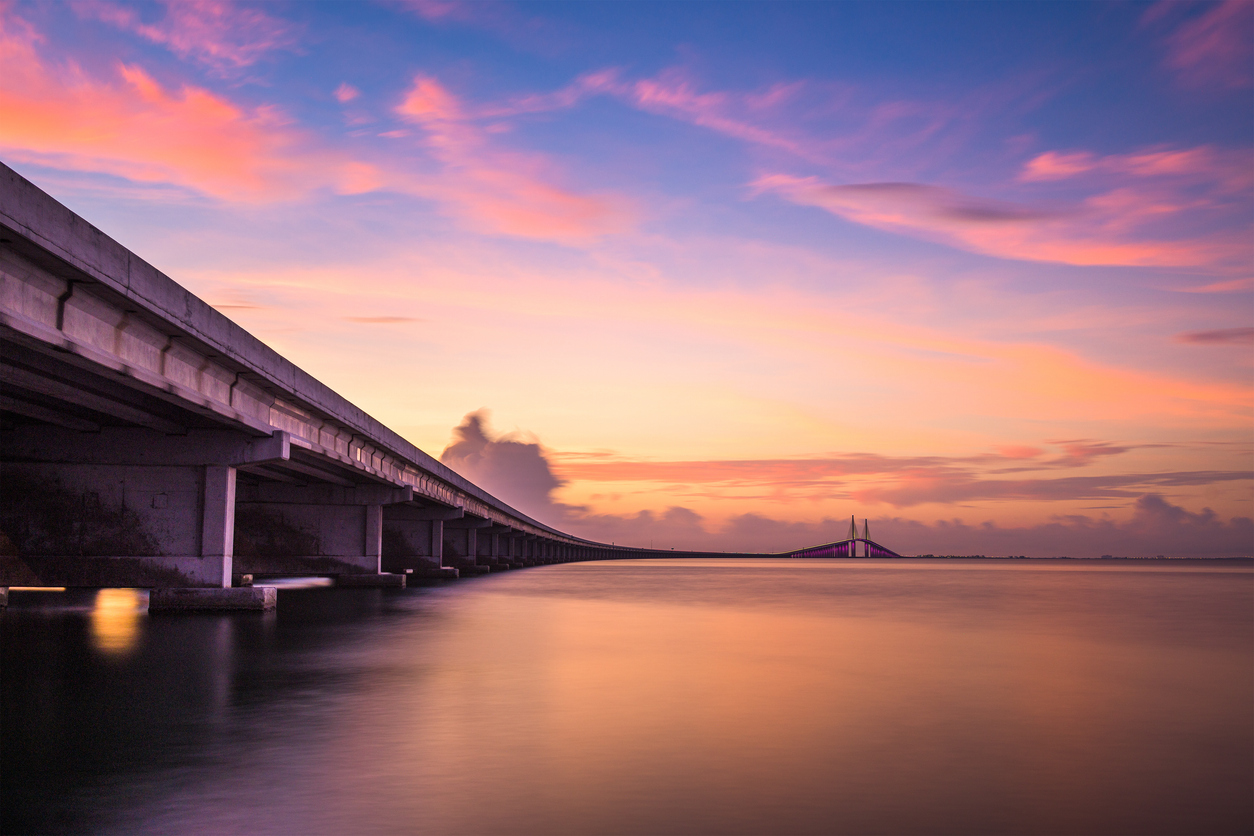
x,y
149,441
849,547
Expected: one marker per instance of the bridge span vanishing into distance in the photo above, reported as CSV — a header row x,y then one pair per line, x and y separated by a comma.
x,y
149,441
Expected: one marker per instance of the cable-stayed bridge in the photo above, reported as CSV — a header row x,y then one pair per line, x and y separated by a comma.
x,y
851,546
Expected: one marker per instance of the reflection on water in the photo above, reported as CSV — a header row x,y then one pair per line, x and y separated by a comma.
x,y
720,696
115,619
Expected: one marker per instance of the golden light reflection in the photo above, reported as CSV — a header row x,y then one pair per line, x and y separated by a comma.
x,y
115,620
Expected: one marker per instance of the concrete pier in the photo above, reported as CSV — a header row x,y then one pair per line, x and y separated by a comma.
x,y
186,600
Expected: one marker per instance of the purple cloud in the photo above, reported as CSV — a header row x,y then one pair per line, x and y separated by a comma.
x,y
519,471
1221,336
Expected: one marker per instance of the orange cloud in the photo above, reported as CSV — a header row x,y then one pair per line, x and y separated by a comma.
x,y
501,191
135,128
131,126
1019,451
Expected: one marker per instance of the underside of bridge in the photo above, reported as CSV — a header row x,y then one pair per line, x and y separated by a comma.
x,y
146,440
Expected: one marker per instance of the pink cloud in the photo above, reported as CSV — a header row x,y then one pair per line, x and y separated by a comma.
x,y
1055,166
1131,225
1019,451
218,34
526,475
501,191
672,93
1233,286
506,21
1213,49
133,127
437,9
346,93
1220,336
923,488
1225,172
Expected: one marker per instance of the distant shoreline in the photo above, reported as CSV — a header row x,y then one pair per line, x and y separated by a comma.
x,y
658,554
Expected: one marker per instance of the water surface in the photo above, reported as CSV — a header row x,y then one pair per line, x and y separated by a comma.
x,y
685,696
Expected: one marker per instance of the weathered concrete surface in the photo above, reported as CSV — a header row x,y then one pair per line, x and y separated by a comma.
x,y
185,600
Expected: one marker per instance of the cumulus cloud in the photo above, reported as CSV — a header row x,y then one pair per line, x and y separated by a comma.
x,y
520,471
510,467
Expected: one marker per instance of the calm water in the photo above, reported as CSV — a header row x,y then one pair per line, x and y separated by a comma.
x,y
729,696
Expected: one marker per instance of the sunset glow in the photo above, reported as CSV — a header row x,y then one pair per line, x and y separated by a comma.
x,y
712,276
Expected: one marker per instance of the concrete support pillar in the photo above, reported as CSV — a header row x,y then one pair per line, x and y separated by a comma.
x,y
437,542
312,529
413,537
374,536
150,509
217,541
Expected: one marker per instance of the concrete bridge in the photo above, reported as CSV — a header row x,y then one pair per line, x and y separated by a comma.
x,y
149,441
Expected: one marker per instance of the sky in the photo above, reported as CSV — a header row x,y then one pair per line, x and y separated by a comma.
x,y
712,275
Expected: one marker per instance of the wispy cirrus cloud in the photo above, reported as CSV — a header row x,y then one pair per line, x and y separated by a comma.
x,y
1210,49
218,34
1230,286
830,470
1219,336
501,190
131,126
923,488
1219,171
507,21
1154,207
1128,224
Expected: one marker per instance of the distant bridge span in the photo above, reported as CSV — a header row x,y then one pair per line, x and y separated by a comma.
x,y
149,441
849,546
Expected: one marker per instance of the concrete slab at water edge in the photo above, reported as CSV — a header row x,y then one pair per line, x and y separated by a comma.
x,y
236,598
